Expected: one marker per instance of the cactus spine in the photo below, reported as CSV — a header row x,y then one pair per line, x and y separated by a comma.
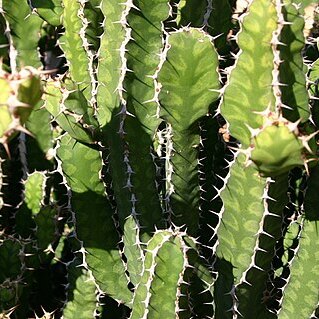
x,y
165,163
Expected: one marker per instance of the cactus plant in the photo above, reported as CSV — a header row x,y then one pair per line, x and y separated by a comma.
x,y
159,159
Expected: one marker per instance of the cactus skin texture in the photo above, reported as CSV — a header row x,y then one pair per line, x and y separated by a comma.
x,y
165,163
